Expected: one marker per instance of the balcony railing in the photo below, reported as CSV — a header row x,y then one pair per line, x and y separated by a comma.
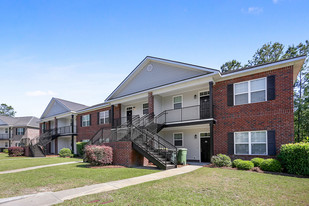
x,y
4,136
66,130
183,114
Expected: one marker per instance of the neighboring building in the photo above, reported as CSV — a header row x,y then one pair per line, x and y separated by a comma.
x,y
58,125
15,129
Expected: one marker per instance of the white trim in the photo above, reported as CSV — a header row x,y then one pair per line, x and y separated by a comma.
x,y
250,143
199,95
181,95
182,139
104,117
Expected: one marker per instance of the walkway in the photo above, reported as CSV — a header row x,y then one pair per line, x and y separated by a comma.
x,y
37,167
50,198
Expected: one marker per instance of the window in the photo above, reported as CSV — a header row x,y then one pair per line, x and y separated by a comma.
x,y
6,130
177,102
104,117
178,139
86,120
252,143
20,131
145,108
250,92
6,144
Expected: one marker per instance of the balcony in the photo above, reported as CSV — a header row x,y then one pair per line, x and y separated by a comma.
x,y
61,131
185,114
4,136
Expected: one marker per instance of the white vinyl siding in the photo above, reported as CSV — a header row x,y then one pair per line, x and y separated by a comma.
x,y
250,91
250,143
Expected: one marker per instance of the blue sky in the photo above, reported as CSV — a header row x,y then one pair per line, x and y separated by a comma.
x,y
81,50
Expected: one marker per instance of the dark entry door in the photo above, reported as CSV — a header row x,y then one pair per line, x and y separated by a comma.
x,y
204,107
205,149
129,116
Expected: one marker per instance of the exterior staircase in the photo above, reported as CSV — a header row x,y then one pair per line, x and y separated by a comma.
x,y
38,145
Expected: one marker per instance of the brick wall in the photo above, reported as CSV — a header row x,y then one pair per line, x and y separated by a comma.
x,y
270,115
150,103
124,154
90,131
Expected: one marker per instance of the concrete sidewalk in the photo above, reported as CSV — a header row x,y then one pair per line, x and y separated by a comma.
x,y
50,198
37,167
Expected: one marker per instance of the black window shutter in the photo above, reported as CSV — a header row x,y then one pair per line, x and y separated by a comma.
x,y
16,131
89,119
271,88
110,116
81,121
98,117
230,95
230,142
23,131
271,139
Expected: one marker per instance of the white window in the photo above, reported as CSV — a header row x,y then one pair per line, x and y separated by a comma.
x,y
104,117
6,144
86,120
250,91
178,139
145,108
177,102
6,130
250,143
20,131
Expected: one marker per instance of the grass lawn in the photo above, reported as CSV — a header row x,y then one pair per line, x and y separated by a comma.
x,y
209,186
11,163
62,177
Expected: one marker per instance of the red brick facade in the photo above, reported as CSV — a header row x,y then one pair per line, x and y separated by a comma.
x,y
124,154
88,132
269,115
150,103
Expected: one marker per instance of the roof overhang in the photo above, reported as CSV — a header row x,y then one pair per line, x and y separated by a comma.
x,y
93,108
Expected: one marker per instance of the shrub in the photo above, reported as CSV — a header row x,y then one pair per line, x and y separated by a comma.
x,y
65,152
80,148
244,165
295,158
271,165
235,162
16,151
98,155
6,151
257,161
221,160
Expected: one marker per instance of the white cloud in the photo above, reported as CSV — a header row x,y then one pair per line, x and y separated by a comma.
x,y
275,1
40,93
253,10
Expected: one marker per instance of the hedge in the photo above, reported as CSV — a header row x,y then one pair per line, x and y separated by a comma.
x,y
244,165
16,151
295,158
5,151
271,165
65,152
80,148
257,161
221,160
98,155
235,162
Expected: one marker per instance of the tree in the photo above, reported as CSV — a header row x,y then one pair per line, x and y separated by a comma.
x,y
230,66
7,110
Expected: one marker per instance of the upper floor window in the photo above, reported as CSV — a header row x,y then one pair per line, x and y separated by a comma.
x,y
177,102
250,91
20,131
145,108
86,120
254,143
6,130
178,140
6,144
104,117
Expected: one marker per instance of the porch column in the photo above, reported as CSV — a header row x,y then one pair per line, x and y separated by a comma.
x,y
150,103
117,114
112,116
10,140
56,125
72,141
211,112
56,145
211,125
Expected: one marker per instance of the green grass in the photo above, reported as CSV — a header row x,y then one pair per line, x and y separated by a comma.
x,y
209,186
61,178
11,163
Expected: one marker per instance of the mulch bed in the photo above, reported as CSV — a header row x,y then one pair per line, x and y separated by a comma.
x,y
106,166
258,170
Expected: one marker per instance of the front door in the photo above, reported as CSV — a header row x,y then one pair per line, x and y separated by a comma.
x,y
205,149
204,107
129,115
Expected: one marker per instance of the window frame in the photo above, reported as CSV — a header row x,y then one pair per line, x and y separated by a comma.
x,y
104,117
145,109
87,121
6,130
178,103
182,139
22,132
250,142
249,92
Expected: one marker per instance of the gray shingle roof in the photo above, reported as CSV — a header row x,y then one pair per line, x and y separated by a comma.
x,y
72,106
29,121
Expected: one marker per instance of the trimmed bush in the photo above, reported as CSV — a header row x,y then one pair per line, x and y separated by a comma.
x,y
98,155
244,165
295,158
80,148
16,151
235,162
65,152
271,165
221,160
5,151
257,161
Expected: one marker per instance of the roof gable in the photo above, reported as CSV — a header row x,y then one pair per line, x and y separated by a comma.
x,y
53,108
155,72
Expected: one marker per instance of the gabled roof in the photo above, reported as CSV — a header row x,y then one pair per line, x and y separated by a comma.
x,y
58,106
178,67
28,121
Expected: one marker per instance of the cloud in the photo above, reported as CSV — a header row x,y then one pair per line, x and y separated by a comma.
x,y
275,1
38,93
253,10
